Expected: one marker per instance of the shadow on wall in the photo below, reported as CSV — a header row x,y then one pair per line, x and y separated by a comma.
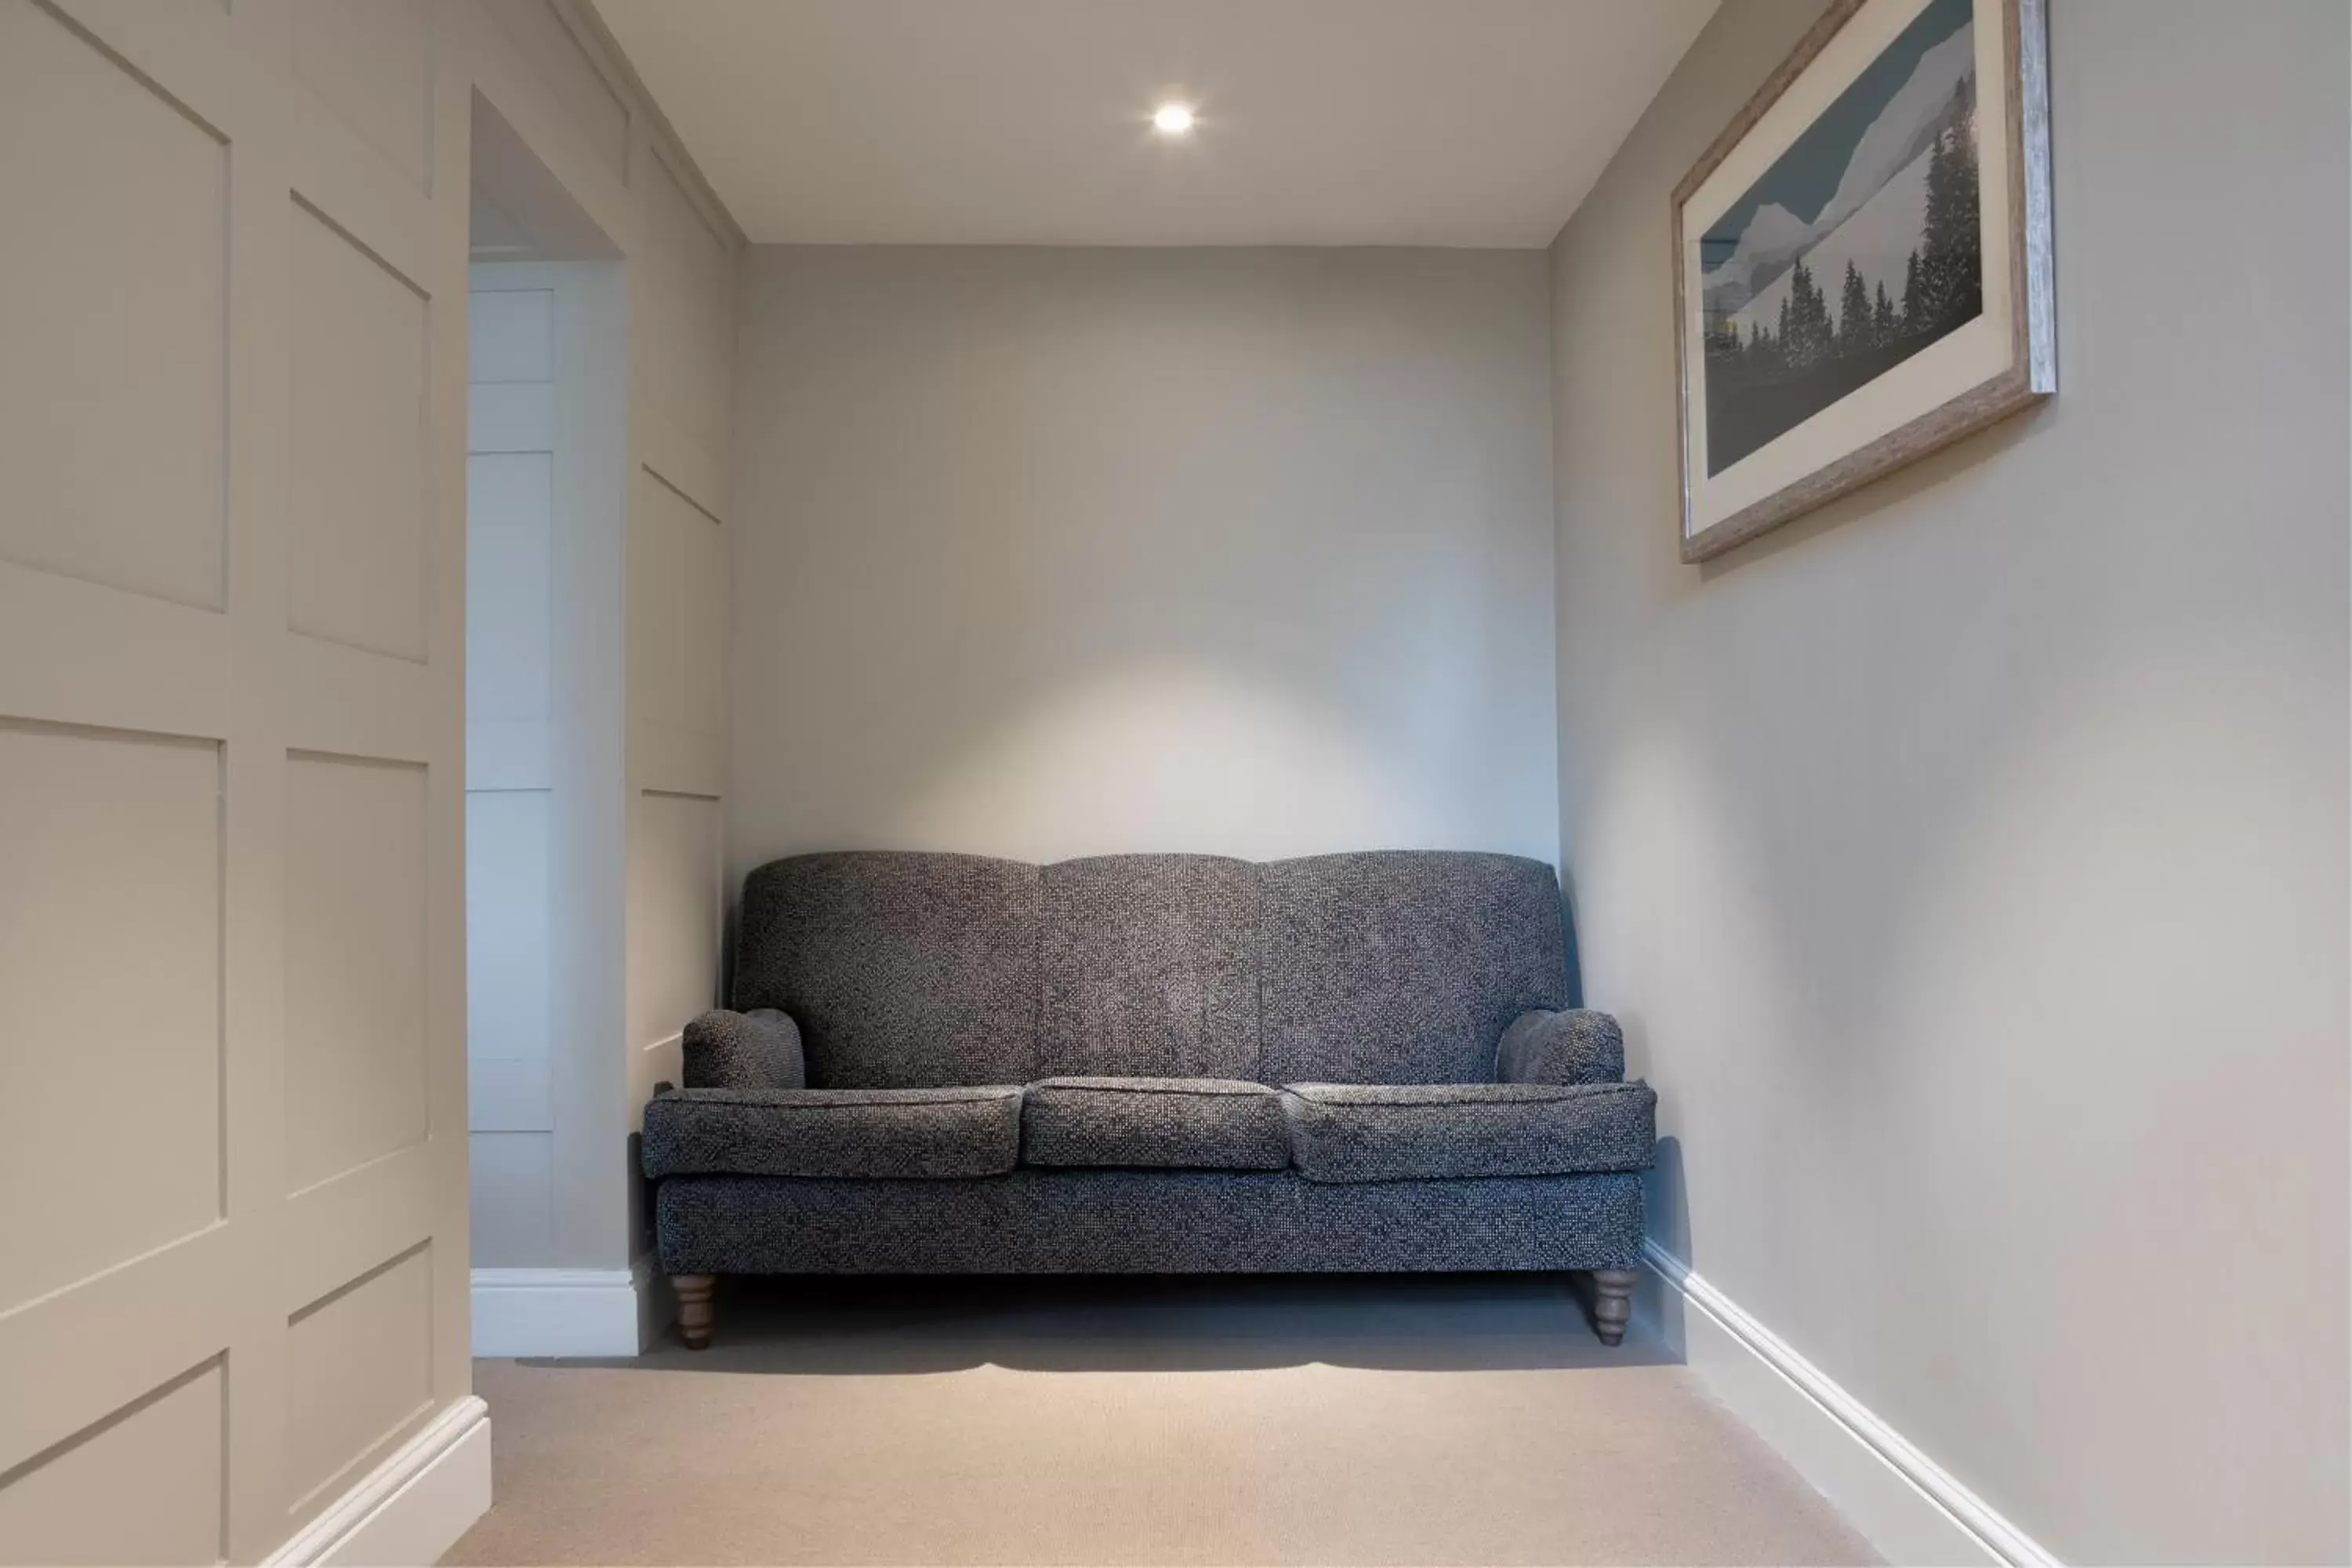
x,y
1175,757
1172,756
1889,495
1658,1310
1568,934
1488,1322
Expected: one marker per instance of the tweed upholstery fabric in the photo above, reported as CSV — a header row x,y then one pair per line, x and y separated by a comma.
x,y
1389,980
903,971
1405,966
1578,1045
1389,1132
863,1132
1162,1123
1151,967
759,1049
1144,1221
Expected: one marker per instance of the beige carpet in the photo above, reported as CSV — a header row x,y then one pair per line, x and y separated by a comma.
x,y
1381,1421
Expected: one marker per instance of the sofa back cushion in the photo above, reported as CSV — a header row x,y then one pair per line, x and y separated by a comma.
x,y
1151,967
910,971
1403,966
903,971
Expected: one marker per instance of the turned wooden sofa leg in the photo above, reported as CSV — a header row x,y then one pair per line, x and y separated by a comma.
x,y
1613,1303
694,1308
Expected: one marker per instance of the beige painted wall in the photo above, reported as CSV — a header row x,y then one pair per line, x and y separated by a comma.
x,y
1048,552
1969,861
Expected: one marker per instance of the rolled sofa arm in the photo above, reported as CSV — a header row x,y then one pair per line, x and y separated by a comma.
x,y
760,1049
1579,1045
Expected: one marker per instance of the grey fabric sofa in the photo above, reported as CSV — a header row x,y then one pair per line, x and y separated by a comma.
x,y
1149,1064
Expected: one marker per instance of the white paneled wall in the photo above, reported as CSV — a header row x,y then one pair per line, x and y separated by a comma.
x,y
233,1000
595,107
601,773
172,1440
689,303
678,616
372,60
545,879
229,728
133,198
89,814
595,790
677,611
510,465
676,864
357,875
357,496
359,1364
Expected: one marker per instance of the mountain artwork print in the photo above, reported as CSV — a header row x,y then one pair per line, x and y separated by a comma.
x,y
1858,248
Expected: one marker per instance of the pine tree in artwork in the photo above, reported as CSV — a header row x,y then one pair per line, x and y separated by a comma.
x,y
1854,312
1933,234
1820,331
1793,337
1951,266
1796,336
1967,299
1813,350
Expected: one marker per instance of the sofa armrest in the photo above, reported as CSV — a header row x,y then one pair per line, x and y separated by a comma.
x,y
760,1049
1578,1045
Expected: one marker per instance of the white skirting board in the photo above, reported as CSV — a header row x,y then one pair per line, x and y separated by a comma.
x,y
412,1508
568,1311
1910,1508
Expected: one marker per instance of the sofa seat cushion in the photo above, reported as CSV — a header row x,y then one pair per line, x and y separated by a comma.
x,y
1384,1132
1158,1123
882,1132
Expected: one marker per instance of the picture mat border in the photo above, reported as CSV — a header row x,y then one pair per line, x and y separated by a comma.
x,y
2031,372
1949,365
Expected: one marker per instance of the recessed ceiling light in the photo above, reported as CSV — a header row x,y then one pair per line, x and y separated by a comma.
x,y
1172,120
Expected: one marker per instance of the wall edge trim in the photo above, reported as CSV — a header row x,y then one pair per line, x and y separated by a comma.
x,y
412,1507
561,1311
1807,1394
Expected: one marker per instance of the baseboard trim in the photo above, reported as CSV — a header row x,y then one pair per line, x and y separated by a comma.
x,y
563,1311
1910,1508
412,1508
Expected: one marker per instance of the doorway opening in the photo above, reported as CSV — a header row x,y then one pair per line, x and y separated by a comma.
x,y
545,590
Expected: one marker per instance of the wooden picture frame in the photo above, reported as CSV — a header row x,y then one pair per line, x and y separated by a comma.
x,y
1784,440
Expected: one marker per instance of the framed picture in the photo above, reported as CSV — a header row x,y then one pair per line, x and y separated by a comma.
x,y
1861,260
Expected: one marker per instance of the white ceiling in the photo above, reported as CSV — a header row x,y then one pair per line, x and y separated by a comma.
x,y
1465,122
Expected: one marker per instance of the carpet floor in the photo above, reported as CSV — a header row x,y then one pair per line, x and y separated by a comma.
x,y
1255,1421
